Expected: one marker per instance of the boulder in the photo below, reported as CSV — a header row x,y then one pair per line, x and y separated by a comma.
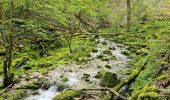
x,y
109,79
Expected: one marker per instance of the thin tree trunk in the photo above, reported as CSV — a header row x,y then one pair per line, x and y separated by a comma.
x,y
128,14
8,76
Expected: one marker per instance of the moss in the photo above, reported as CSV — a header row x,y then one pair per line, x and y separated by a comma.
x,y
65,79
107,97
162,77
112,48
142,51
109,79
100,74
108,66
99,56
127,53
150,95
86,77
38,83
107,52
67,95
15,95
95,50
147,91
104,43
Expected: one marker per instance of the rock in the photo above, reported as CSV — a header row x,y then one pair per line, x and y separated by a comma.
x,y
99,74
99,66
108,66
86,77
112,48
107,52
127,72
104,43
67,95
62,86
65,79
27,67
109,79
95,50
99,56
126,53
105,59
38,83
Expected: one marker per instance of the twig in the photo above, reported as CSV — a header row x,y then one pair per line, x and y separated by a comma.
x,y
6,89
23,61
105,89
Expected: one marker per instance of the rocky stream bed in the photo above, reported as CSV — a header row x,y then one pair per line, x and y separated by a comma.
x,y
106,66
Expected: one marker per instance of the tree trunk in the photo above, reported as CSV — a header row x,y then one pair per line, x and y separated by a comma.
x,y
8,76
128,14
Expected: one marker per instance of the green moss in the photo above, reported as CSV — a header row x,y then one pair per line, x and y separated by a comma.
x,y
100,74
65,79
67,95
86,77
15,95
107,52
108,66
151,95
147,91
161,77
109,79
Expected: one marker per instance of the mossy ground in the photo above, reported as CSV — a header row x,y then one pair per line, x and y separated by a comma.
x,y
49,60
147,41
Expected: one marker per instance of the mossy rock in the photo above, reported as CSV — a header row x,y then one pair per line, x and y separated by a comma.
x,y
104,43
99,56
107,52
127,53
108,66
142,51
109,79
67,95
95,50
112,48
27,67
99,74
65,79
62,86
39,83
86,77
20,94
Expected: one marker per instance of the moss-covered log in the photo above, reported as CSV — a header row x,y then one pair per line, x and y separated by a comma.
x,y
130,79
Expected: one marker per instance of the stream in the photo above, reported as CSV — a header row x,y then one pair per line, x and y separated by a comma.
x,y
92,65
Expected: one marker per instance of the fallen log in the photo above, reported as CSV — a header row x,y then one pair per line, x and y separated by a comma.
x,y
21,63
105,89
130,79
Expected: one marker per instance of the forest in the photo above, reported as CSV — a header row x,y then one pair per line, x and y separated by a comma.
x,y
84,49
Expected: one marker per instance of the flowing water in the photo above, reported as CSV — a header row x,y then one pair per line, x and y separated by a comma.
x,y
74,72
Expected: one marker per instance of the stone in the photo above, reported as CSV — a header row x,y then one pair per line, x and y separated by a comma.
x,y
86,77
99,74
95,50
107,52
108,66
109,79
104,43
112,48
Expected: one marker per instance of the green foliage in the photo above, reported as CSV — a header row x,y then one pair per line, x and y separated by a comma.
x,y
67,95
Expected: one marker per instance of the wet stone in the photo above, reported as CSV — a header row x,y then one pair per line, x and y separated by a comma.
x,y
86,77
109,79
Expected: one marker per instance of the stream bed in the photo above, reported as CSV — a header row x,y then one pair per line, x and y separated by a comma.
x,y
108,56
